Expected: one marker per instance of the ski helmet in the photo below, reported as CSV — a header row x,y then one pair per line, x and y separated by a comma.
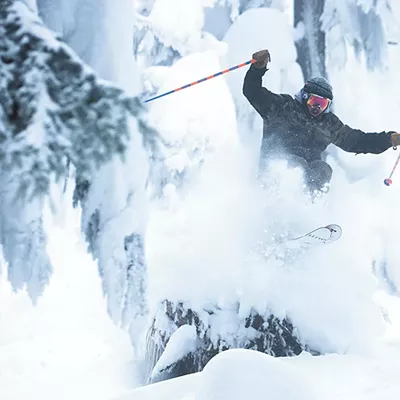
x,y
319,86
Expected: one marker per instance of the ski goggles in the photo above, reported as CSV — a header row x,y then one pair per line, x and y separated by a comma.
x,y
315,100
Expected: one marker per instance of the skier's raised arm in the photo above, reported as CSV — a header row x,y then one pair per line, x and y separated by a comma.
x,y
262,99
357,141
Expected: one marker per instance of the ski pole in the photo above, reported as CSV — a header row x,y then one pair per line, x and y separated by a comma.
x,y
203,80
388,181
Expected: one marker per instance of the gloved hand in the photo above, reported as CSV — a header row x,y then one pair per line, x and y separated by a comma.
x,y
395,139
262,58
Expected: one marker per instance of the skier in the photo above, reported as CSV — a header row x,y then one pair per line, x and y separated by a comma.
x,y
300,129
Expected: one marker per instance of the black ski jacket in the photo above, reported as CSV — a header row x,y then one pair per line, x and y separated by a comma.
x,y
289,129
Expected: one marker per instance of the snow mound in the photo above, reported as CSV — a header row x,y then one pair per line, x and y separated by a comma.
x,y
245,374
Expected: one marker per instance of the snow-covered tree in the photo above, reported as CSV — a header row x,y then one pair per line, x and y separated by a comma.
x,y
55,112
220,14
113,198
148,47
239,7
327,29
54,109
311,38
364,25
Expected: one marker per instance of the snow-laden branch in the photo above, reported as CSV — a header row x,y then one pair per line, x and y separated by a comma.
x,y
54,112
54,108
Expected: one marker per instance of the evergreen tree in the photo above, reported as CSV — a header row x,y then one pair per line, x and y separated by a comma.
x,y
326,29
55,112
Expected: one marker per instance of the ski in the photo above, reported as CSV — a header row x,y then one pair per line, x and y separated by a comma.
x,y
320,236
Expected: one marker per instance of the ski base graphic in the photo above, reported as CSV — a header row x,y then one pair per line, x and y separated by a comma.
x,y
323,235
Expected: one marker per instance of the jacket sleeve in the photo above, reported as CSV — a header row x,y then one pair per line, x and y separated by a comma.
x,y
357,141
263,100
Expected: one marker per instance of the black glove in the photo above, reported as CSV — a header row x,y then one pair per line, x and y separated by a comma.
x,y
262,58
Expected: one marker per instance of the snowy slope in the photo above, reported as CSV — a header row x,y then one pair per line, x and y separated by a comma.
x,y
66,346
239,374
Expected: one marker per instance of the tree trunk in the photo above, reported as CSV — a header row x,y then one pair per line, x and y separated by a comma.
x,y
311,46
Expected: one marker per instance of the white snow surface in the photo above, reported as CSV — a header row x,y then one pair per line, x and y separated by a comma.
x,y
246,374
65,347
204,247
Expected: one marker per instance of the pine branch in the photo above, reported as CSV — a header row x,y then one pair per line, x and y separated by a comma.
x,y
54,108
